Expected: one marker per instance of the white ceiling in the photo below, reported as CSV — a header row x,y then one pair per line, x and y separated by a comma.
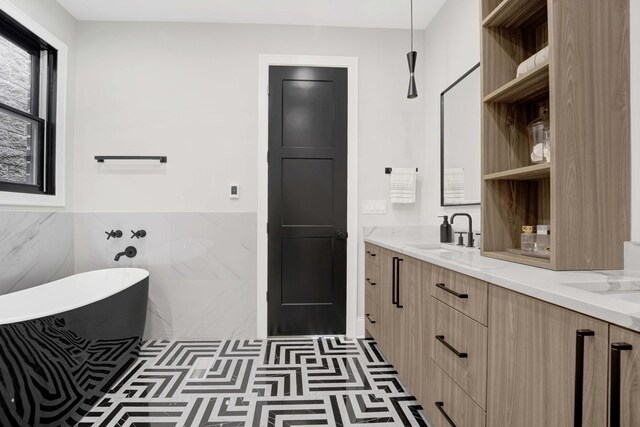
x,y
335,13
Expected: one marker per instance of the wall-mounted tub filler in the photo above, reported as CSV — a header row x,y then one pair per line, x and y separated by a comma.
x,y
130,252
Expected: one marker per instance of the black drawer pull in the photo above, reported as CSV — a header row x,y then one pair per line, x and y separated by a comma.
x,y
370,282
440,406
614,405
394,267
399,260
452,292
579,385
370,253
453,350
369,319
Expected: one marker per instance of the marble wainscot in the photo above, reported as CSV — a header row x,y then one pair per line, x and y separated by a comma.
x,y
612,296
35,248
202,268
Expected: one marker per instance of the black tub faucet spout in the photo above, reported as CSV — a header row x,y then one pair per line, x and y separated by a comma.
x,y
130,252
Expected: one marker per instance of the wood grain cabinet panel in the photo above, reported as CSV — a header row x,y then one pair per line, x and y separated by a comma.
x,y
627,413
448,405
533,362
372,254
466,294
459,346
408,323
386,305
372,298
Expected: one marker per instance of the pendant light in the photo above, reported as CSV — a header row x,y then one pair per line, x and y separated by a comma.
x,y
411,58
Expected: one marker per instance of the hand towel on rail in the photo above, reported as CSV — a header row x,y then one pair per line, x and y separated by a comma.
x,y
403,185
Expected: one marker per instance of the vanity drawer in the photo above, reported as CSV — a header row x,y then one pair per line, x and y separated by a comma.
x,y
459,347
372,280
464,293
372,317
449,404
372,254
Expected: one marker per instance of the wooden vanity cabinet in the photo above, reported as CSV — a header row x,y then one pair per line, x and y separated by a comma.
x,y
476,354
398,327
372,291
540,357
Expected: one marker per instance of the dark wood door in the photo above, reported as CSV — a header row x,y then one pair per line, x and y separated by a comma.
x,y
307,200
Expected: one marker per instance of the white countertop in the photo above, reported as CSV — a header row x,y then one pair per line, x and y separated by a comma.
x,y
612,296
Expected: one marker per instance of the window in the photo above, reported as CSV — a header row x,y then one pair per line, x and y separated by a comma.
x,y
28,67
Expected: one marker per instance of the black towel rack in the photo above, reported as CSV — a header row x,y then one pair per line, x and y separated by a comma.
x,y
388,170
161,159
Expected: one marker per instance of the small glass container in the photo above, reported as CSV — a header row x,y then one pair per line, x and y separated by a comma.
x,y
543,240
528,239
540,138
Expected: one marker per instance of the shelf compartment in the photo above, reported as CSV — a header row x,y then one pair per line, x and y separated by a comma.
x,y
527,87
520,259
539,171
516,13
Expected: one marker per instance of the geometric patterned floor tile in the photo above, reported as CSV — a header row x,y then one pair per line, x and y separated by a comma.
x,y
277,382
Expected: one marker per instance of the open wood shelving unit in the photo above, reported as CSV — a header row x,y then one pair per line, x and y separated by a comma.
x,y
584,193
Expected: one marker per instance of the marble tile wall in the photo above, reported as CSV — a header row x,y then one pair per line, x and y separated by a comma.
x,y
202,268
35,248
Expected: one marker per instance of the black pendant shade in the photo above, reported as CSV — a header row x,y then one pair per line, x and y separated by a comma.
x,y
411,59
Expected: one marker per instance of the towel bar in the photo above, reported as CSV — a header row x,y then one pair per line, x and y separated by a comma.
x,y
101,159
388,170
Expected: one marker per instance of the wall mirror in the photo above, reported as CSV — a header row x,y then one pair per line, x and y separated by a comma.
x,y
460,176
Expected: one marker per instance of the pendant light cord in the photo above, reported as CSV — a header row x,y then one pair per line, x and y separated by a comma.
x,y
412,25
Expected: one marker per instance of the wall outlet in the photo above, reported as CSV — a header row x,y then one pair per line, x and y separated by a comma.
x,y
234,191
374,207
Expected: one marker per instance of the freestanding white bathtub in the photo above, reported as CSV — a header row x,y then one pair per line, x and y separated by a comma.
x,y
64,344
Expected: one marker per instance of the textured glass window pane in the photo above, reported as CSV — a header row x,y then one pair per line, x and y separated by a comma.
x,y
15,76
18,149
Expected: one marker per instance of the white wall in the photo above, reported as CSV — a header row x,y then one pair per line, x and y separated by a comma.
x,y
452,47
55,19
189,91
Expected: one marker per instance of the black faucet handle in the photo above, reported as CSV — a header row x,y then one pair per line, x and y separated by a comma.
x,y
115,234
138,234
460,237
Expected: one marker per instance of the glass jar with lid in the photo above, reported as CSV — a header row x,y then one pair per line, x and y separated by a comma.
x,y
540,138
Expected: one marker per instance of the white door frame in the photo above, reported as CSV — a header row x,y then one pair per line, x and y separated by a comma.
x,y
351,64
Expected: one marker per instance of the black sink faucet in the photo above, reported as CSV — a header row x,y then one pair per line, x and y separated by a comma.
x,y
130,252
470,233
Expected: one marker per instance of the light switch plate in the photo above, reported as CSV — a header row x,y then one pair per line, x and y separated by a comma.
x,y
234,191
374,207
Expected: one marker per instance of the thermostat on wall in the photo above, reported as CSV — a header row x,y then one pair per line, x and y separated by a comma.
x,y
234,191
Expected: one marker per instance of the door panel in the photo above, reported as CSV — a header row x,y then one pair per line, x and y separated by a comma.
x,y
386,305
629,374
533,348
307,200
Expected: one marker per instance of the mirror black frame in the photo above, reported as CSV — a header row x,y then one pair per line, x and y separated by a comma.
x,y
442,203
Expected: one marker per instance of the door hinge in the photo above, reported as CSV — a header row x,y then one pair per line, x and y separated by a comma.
x,y
268,91
267,228
267,296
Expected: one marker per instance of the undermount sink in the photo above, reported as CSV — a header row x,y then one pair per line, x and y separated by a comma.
x,y
608,287
424,246
436,248
626,290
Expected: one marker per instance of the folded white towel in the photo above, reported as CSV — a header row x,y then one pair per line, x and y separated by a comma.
x,y
403,185
454,185
533,61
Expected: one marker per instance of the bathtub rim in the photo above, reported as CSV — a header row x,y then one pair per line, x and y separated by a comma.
x,y
19,305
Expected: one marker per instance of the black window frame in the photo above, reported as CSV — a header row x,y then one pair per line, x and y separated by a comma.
x,y
22,37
